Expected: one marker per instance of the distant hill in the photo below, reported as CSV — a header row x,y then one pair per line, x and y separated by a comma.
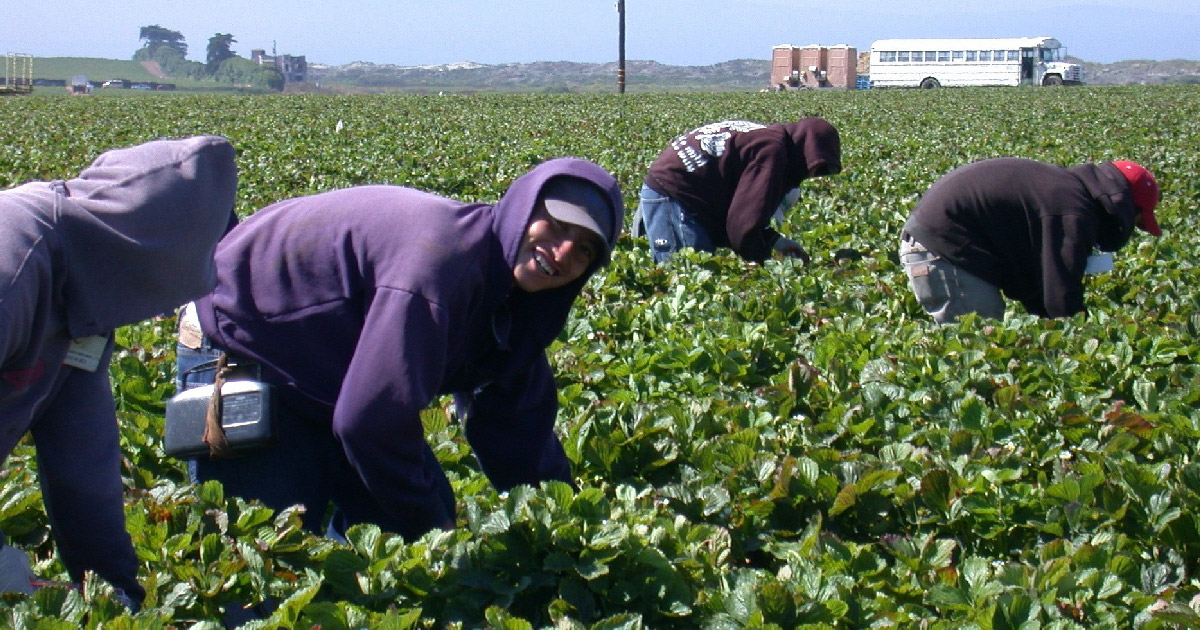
x,y
739,74
1139,71
95,69
99,70
566,76
550,76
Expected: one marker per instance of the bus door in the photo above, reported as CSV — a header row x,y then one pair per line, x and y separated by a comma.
x,y
1028,61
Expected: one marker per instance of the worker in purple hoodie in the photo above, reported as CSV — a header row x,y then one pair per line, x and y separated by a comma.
x,y
131,237
361,306
721,184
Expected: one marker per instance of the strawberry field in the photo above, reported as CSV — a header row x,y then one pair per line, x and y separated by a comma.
x,y
774,446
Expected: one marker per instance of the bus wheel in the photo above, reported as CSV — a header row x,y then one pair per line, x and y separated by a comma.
x,y
1052,79
930,83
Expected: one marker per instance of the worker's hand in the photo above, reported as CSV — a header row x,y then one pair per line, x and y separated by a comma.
x,y
791,249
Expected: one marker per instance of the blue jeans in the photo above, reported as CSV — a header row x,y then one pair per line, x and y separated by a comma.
x,y
945,290
305,466
670,227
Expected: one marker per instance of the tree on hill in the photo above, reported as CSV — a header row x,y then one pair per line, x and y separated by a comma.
x,y
169,50
218,50
157,37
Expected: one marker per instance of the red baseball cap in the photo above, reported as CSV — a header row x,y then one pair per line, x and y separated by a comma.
x,y
1144,190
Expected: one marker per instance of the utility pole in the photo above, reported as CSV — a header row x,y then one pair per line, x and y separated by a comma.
x,y
620,46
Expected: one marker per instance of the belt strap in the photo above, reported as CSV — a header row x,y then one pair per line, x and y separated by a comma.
x,y
214,433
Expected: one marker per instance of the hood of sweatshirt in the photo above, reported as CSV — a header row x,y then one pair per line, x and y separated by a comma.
x,y
1116,212
136,230
816,148
537,318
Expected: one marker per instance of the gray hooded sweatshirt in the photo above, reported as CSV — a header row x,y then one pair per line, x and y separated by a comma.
x,y
131,237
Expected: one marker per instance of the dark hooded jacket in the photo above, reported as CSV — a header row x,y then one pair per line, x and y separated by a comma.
x,y
1026,227
132,236
366,304
732,175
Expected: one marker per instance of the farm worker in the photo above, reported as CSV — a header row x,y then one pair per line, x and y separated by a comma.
x,y
1022,228
362,306
129,238
720,185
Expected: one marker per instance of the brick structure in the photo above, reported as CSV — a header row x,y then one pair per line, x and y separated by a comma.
x,y
813,66
293,68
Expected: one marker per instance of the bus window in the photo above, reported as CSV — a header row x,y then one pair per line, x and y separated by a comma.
x,y
957,55
997,55
887,56
902,56
1014,55
985,55
943,56
972,55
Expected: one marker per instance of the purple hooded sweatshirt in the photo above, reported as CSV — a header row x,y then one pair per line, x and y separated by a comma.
x,y
132,236
732,175
366,304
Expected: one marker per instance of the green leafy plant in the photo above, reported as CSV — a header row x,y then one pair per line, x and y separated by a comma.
x,y
756,446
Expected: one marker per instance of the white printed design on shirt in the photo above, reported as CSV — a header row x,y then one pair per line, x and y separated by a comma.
x,y
712,139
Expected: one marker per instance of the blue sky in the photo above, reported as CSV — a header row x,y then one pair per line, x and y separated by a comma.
x,y
678,32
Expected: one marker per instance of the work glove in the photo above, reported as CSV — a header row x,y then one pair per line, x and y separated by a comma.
x,y
15,574
791,249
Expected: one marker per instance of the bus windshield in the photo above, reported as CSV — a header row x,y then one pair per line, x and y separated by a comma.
x,y
1048,54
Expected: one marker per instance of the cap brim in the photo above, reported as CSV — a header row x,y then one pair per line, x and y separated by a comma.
x,y
571,213
1149,223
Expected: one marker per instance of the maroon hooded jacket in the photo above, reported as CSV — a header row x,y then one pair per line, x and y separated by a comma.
x,y
732,175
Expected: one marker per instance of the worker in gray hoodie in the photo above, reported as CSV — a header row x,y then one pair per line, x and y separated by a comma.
x,y
131,237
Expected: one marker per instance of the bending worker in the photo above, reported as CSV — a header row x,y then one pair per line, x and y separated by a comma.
x,y
129,238
721,184
362,306
1021,228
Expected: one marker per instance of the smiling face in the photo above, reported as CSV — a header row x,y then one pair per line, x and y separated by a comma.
x,y
553,253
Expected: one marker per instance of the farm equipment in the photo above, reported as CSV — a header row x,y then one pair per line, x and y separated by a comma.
x,y
80,85
18,74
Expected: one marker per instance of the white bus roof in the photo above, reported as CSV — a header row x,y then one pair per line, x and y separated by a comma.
x,y
998,43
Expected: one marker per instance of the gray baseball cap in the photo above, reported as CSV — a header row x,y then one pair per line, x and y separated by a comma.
x,y
581,203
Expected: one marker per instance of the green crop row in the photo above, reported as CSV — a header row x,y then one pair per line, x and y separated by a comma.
x,y
757,446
